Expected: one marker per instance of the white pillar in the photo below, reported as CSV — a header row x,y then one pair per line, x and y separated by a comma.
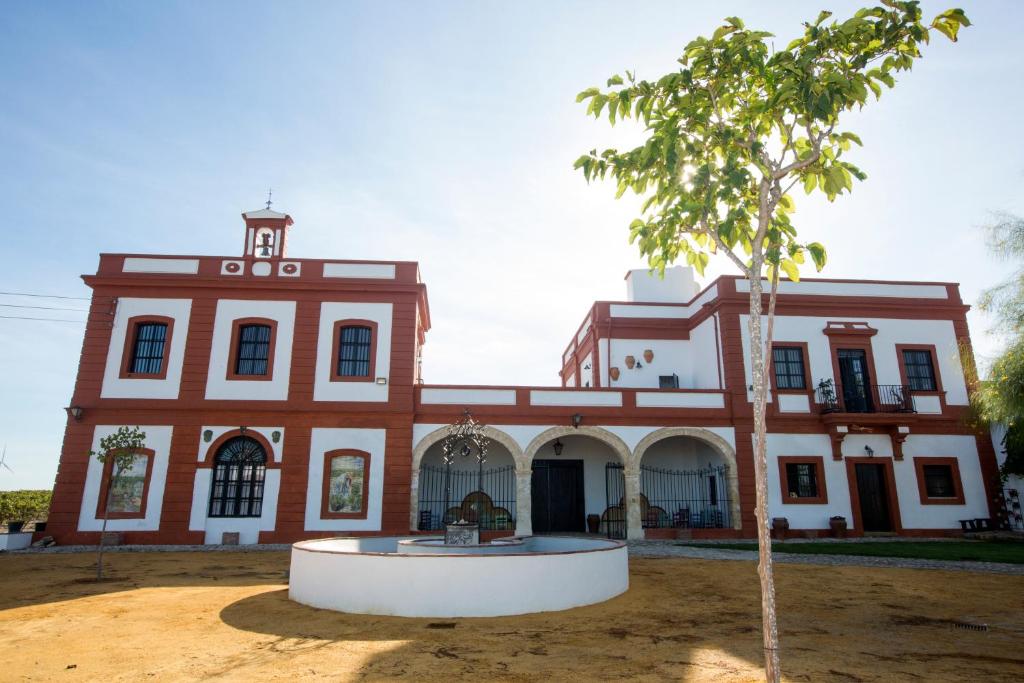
x,y
634,525
414,500
524,501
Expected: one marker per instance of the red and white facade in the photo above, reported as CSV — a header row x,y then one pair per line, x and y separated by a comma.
x,y
609,418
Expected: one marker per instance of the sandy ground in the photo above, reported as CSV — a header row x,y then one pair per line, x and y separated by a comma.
x,y
175,616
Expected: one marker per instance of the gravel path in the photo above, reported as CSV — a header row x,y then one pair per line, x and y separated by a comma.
x,y
674,549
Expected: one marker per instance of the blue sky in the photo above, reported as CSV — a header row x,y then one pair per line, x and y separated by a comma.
x,y
440,132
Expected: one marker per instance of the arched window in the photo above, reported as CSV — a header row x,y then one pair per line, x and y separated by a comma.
x,y
239,469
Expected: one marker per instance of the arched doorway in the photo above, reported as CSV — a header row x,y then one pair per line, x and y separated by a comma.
x,y
239,472
486,495
569,482
687,480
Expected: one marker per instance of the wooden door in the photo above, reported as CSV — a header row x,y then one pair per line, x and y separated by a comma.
x,y
874,498
558,496
855,380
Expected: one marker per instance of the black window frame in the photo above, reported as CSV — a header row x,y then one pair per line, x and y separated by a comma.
x,y
247,356
239,478
785,369
929,478
802,479
914,373
350,351
148,348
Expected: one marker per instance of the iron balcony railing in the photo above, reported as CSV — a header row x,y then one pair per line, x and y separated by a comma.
x,y
872,398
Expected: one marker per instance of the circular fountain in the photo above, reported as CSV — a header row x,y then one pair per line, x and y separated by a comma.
x,y
422,576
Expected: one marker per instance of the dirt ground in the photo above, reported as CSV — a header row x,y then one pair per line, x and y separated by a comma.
x,y
175,616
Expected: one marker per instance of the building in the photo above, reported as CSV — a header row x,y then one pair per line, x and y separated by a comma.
x,y
282,399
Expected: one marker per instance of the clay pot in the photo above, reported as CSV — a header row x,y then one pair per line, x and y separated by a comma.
x,y
594,523
630,362
648,355
614,372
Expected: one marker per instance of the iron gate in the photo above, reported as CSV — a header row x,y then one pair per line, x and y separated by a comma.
x,y
613,520
682,499
487,497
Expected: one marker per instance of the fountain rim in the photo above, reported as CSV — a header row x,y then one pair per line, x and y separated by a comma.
x,y
610,544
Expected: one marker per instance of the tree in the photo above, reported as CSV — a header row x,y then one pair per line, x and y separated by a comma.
x,y
1001,398
728,135
120,449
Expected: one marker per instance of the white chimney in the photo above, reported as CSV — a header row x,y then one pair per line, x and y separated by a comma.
x,y
677,287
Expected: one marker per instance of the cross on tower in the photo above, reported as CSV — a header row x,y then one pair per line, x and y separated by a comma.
x,y
270,192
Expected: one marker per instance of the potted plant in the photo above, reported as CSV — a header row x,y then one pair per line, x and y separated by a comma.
x,y
594,523
780,526
837,523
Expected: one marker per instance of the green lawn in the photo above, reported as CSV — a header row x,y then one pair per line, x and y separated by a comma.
x,y
1011,552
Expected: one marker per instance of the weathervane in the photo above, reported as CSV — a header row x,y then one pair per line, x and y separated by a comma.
x,y
270,192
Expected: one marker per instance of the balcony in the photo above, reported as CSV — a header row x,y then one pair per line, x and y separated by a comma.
x,y
873,398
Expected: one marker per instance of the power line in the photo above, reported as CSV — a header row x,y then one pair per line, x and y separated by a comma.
x,y
45,296
46,308
52,320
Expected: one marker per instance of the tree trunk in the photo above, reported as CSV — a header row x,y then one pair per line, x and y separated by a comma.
x,y
764,543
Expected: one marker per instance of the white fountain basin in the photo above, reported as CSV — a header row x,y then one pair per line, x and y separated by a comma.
x,y
416,576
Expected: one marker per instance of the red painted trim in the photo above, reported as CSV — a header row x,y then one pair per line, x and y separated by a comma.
x,y
954,470
890,491
325,490
211,452
130,338
819,478
336,347
233,349
105,481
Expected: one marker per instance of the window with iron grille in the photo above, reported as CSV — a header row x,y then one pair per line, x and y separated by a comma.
x,y
148,350
920,371
789,367
354,352
938,481
240,467
802,480
253,350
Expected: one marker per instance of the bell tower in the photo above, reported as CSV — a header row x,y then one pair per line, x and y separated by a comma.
x,y
266,233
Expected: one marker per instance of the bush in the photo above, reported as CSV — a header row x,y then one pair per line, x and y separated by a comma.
x,y
25,505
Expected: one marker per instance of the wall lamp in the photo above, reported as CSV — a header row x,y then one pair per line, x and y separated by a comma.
x,y
577,420
870,451
75,412
558,447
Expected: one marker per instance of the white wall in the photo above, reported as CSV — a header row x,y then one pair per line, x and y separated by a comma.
x,y
677,286
113,385
803,515
323,440
671,356
326,390
221,353
158,438
883,347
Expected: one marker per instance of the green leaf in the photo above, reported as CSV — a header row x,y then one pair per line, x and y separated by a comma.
x,y
791,270
615,80
589,92
817,252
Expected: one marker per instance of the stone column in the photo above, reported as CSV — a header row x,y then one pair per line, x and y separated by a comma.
x,y
524,501
414,500
634,525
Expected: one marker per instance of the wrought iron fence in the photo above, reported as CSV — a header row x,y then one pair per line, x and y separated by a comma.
x,y
1014,514
873,398
487,497
613,519
685,499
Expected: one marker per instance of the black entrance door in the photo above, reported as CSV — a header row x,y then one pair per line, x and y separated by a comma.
x,y
558,496
874,500
856,383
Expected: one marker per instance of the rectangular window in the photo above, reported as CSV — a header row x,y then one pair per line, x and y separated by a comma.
x,y
253,350
802,479
938,481
920,370
354,352
148,349
789,368
668,381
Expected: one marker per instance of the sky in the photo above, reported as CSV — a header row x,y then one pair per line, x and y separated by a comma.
x,y
439,132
